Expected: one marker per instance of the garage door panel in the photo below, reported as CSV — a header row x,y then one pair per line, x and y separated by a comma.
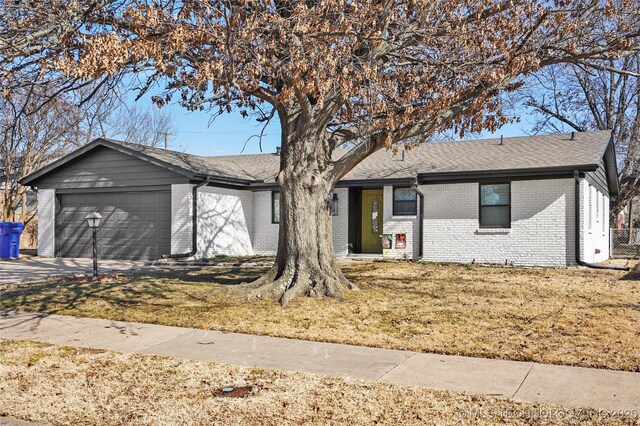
x,y
135,225
151,216
121,216
107,234
149,199
109,200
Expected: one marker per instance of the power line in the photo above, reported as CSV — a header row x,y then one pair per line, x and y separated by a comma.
x,y
215,132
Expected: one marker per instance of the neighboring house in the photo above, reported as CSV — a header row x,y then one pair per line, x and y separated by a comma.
x,y
496,201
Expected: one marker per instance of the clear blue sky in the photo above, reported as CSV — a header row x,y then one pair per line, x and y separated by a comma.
x,y
226,135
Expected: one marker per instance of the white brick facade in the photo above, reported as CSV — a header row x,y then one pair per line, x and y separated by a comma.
x,y
181,214
46,222
341,223
265,233
225,222
235,222
594,224
541,233
399,225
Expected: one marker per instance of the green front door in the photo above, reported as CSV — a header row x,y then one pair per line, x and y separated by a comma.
x,y
371,220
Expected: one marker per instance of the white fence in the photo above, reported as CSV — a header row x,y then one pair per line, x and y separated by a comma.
x,y
625,243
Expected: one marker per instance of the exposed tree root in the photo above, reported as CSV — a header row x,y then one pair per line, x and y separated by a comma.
x,y
297,281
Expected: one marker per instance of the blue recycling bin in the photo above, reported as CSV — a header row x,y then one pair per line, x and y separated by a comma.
x,y
10,239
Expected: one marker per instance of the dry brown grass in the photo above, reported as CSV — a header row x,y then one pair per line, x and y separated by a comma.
x,y
68,386
563,316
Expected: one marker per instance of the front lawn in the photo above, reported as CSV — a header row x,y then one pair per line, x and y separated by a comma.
x,y
562,316
60,385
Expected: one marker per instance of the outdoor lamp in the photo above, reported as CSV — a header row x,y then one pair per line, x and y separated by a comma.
x,y
93,220
334,205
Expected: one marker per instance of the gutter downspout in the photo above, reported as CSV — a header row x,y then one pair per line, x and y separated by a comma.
x,y
194,224
576,176
420,217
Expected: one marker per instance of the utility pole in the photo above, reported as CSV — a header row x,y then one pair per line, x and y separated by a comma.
x,y
166,138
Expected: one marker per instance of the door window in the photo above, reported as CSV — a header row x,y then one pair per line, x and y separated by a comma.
x,y
374,216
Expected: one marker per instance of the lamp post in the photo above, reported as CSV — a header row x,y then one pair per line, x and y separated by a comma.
x,y
93,220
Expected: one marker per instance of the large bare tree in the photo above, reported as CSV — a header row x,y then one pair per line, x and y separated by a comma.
x,y
604,96
34,129
366,74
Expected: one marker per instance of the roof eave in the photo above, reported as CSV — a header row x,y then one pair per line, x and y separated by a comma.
x,y
27,180
504,174
611,168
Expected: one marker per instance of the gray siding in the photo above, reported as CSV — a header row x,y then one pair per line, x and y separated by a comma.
x,y
598,179
107,168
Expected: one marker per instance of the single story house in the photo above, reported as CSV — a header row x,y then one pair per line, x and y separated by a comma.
x,y
538,200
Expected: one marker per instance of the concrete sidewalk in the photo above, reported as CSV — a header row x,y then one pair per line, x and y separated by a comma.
x,y
526,381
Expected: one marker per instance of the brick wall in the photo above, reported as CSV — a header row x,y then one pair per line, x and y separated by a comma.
x,y
399,225
341,223
265,233
181,212
46,222
541,234
225,222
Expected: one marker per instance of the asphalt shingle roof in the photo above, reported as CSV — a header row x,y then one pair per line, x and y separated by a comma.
x,y
515,153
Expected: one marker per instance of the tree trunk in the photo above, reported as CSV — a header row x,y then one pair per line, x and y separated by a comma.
x,y
305,263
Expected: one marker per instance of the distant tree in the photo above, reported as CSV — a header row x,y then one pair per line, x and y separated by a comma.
x,y
605,96
369,74
40,123
34,129
148,126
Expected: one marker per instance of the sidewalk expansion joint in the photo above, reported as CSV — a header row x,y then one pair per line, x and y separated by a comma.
x,y
523,380
411,355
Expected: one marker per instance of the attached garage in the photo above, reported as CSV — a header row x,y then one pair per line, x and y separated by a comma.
x,y
135,225
129,185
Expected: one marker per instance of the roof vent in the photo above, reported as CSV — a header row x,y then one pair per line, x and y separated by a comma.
x,y
278,150
402,155
573,136
501,140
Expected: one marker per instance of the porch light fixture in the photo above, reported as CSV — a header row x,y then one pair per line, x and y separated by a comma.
x,y
93,220
334,205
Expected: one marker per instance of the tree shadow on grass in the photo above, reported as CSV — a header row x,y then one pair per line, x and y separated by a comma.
x,y
161,289
220,276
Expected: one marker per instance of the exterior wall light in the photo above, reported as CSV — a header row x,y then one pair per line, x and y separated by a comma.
x,y
334,205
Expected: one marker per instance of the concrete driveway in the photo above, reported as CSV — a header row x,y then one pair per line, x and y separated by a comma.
x,y
31,268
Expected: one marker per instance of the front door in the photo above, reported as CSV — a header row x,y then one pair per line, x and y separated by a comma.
x,y
371,220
